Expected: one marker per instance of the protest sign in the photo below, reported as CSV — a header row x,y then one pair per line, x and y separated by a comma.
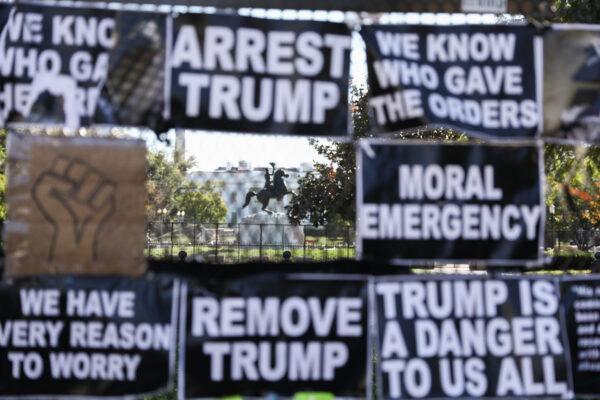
x,y
572,83
86,337
133,93
54,60
478,79
242,74
581,301
274,333
420,203
75,205
459,337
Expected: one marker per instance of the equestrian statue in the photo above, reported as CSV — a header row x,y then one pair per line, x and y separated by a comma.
x,y
272,190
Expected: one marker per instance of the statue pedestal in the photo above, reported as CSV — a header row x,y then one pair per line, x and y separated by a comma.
x,y
269,230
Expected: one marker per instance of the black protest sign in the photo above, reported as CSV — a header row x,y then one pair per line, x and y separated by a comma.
x,y
133,93
478,79
242,74
460,337
418,203
581,300
572,83
86,337
54,60
273,333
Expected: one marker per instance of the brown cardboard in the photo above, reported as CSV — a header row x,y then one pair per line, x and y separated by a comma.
x,y
75,206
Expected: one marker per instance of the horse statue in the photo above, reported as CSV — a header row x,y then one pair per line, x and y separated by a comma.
x,y
276,190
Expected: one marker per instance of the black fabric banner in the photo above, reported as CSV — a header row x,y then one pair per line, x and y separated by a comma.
x,y
53,63
421,203
133,94
475,78
87,337
581,300
465,337
274,334
242,74
572,83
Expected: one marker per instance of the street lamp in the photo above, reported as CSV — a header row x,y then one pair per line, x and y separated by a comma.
x,y
162,212
188,189
180,215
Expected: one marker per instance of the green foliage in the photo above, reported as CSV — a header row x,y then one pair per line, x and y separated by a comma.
x,y
573,173
584,11
327,195
168,188
573,187
201,203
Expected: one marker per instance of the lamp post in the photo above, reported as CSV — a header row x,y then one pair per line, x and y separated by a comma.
x,y
180,216
555,238
187,189
163,213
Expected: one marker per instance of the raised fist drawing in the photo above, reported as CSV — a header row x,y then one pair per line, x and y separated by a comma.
x,y
76,200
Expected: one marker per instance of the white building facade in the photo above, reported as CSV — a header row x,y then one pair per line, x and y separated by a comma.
x,y
233,182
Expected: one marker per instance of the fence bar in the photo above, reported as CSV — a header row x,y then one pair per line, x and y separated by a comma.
x,y
225,244
260,247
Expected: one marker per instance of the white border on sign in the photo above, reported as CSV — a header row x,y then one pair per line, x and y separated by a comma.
x,y
551,138
439,277
374,350
543,187
343,137
569,279
174,320
182,341
136,396
363,144
538,63
167,78
307,276
562,315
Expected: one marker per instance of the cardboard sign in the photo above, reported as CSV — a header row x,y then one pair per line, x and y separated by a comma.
x,y
87,337
478,79
241,74
420,203
54,60
75,205
274,334
464,337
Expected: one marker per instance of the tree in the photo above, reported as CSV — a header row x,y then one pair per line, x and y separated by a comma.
x,y
327,195
573,187
168,188
573,172
201,203
584,11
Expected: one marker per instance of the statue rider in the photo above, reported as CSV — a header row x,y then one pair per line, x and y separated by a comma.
x,y
268,175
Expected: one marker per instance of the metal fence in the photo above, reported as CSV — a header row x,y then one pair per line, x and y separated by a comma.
x,y
573,241
231,243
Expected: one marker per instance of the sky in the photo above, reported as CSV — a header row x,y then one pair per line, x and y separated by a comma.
x,y
213,149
